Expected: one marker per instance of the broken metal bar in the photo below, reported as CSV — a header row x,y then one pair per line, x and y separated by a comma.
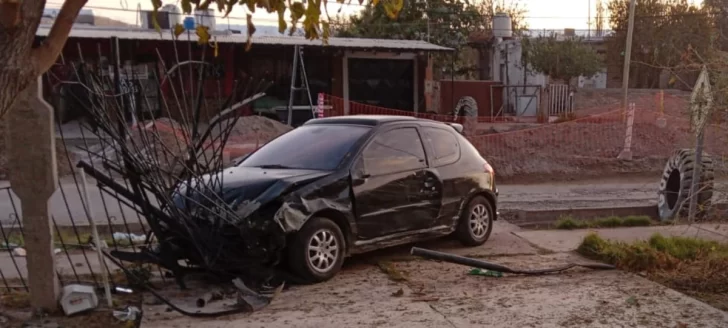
x,y
108,182
451,258
208,298
170,304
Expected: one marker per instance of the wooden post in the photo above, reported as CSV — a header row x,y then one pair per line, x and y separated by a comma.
x,y
33,178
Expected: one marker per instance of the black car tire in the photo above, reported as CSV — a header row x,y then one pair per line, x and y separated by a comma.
x,y
469,232
325,233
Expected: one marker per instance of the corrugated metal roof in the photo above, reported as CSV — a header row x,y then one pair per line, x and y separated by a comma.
x,y
351,43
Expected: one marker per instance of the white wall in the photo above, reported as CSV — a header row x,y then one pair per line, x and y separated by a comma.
x,y
515,73
514,76
598,81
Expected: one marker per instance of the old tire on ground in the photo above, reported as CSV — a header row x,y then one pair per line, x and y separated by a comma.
x,y
466,106
674,200
317,251
476,222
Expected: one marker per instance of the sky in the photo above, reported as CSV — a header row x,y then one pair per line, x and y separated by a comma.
x,y
542,14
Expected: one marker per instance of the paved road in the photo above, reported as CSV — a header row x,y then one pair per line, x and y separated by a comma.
x,y
581,194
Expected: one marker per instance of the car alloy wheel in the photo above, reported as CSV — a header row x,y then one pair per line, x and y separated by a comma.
x,y
479,221
323,251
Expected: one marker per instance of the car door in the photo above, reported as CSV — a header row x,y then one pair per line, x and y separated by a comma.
x,y
390,173
444,152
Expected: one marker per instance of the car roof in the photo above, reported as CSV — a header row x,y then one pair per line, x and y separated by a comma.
x,y
371,120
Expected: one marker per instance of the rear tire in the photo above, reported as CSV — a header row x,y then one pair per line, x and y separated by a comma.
x,y
476,222
317,251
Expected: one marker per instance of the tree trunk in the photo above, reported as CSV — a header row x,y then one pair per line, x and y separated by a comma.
x,y
20,62
16,41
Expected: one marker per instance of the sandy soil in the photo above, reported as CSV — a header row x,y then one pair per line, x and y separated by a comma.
x,y
442,295
418,293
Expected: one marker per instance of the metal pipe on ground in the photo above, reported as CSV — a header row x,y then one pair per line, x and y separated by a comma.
x,y
451,258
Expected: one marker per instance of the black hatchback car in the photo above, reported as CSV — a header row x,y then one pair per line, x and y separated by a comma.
x,y
345,185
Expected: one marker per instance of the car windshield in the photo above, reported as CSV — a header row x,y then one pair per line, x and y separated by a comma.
x,y
312,147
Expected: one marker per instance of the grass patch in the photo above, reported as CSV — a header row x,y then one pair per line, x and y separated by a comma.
x,y
569,223
693,266
15,300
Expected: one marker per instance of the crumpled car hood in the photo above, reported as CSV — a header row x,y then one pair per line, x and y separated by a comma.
x,y
245,189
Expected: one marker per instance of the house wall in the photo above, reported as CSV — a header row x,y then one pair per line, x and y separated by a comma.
x,y
514,76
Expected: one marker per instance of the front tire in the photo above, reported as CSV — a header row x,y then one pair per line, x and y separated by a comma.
x,y
476,222
317,251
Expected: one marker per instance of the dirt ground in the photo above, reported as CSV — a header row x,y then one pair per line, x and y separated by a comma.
x,y
418,293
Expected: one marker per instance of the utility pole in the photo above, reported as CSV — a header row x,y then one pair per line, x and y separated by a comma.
x,y
588,22
627,57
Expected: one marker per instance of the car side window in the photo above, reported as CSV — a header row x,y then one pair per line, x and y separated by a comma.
x,y
445,145
394,151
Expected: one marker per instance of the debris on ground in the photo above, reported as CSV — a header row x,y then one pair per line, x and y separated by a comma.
x,y
134,238
78,298
131,313
485,273
209,297
252,300
18,251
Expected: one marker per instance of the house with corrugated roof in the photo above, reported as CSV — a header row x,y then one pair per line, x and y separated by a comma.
x,y
385,73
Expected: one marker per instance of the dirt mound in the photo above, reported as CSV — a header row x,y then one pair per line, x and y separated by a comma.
x,y
594,101
167,141
589,147
256,129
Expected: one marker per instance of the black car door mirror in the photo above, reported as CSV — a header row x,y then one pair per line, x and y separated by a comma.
x,y
360,178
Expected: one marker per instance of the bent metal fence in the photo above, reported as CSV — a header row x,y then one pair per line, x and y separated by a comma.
x,y
135,182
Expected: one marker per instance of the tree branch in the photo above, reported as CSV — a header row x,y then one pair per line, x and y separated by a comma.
x,y
45,56
9,13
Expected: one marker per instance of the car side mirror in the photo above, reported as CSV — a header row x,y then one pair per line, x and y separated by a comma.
x,y
360,179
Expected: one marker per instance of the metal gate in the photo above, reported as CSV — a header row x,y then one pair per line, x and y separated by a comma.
x,y
560,99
